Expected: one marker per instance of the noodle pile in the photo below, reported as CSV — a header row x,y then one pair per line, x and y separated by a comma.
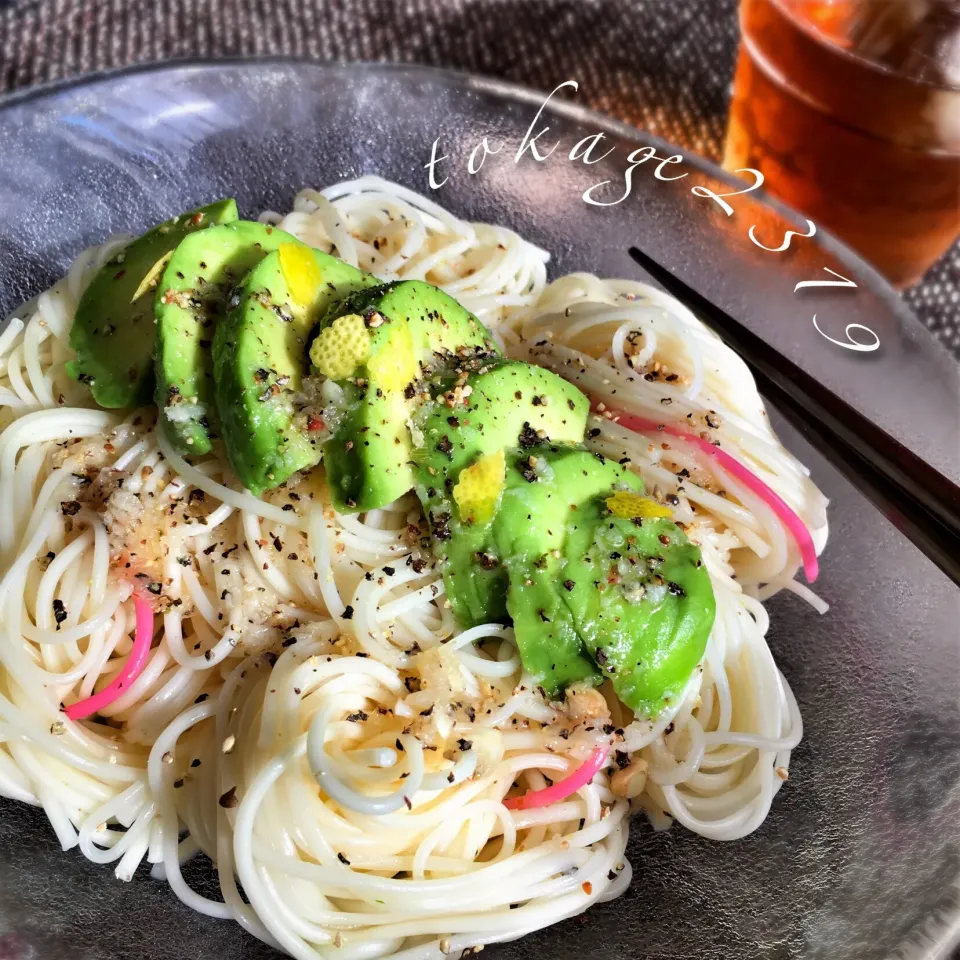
x,y
310,716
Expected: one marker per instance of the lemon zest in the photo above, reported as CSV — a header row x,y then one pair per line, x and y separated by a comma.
x,y
340,349
152,277
393,365
301,272
626,503
479,487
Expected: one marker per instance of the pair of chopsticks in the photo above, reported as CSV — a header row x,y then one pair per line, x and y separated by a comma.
x,y
920,501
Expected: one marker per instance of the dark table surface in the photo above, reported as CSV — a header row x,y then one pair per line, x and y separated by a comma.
x,y
664,65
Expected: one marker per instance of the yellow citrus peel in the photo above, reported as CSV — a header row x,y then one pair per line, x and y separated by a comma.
x,y
393,365
153,276
626,503
341,348
479,487
300,270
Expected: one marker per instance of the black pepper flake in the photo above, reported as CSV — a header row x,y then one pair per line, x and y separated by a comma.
x,y
664,539
600,656
184,561
229,799
59,612
528,437
569,584
389,571
155,588
464,745
595,432
427,712
412,684
441,528
343,859
70,508
676,589
622,758
406,800
357,717
399,745
348,612
668,729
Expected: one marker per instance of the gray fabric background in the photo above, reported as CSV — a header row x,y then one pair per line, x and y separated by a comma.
x,y
660,64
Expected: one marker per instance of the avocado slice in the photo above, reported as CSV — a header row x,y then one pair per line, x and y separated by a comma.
x,y
499,404
190,301
413,330
545,488
641,601
260,359
113,333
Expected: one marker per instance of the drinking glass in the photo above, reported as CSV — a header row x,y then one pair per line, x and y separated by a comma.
x,y
851,110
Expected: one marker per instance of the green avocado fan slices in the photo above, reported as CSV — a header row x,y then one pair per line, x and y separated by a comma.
x,y
113,331
260,360
501,405
290,355
191,299
379,345
641,600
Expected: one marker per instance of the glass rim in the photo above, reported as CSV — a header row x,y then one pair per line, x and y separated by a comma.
x,y
825,40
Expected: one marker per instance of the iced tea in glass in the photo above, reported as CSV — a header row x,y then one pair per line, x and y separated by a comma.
x,y
851,110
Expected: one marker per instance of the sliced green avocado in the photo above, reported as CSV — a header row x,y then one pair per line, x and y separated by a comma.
x,y
501,404
641,601
414,329
508,405
190,301
545,488
112,333
260,359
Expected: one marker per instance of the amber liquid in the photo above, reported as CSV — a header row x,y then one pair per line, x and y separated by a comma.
x,y
866,153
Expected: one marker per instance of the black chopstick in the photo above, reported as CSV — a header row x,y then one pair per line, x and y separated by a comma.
x,y
919,500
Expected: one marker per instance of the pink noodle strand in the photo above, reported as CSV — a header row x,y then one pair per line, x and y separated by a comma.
x,y
562,788
131,669
793,523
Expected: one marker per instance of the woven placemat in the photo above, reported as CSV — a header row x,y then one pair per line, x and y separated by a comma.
x,y
664,65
